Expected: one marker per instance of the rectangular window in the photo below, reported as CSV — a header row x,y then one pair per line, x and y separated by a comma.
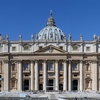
x,y
40,75
25,67
13,48
75,47
40,67
26,48
13,67
50,66
40,47
87,48
61,47
75,67
26,75
75,75
60,67
61,75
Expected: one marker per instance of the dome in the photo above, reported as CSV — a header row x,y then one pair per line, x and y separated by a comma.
x,y
50,32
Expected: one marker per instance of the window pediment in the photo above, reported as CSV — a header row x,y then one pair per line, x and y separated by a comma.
x,y
75,46
26,46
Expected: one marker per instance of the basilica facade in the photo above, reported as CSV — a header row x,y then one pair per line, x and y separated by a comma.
x,y
49,62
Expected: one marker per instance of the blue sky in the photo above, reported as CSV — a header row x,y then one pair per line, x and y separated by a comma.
x,y
28,17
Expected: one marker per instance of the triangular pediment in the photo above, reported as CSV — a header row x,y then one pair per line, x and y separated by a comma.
x,y
51,49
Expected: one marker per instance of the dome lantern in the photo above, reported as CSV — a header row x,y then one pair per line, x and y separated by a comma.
x,y
51,21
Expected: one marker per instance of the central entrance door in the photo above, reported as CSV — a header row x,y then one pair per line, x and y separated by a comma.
x,y
26,84
50,84
75,85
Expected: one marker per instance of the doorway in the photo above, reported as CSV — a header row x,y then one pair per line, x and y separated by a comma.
x,y
26,84
75,85
40,87
61,87
50,84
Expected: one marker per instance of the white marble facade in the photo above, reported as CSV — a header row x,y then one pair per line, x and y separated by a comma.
x,y
49,62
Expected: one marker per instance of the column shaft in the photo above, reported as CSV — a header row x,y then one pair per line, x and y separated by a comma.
x,y
20,77
6,75
56,76
81,76
65,76
36,75
32,76
69,76
95,78
45,74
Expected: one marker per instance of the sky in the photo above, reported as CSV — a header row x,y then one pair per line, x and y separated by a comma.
x,y
27,17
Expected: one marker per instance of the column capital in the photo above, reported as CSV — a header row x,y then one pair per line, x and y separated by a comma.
x,y
19,61
36,61
81,61
6,61
65,61
95,61
45,60
56,60
69,61
31,61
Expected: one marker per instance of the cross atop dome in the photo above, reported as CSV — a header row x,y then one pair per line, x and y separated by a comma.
x,y
50,13
51,21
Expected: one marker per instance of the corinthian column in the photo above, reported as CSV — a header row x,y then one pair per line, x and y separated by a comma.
x,y
56,76
36,75
65,75
45,74
6,75
81,75
69,76
32,76
20,76
95,78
